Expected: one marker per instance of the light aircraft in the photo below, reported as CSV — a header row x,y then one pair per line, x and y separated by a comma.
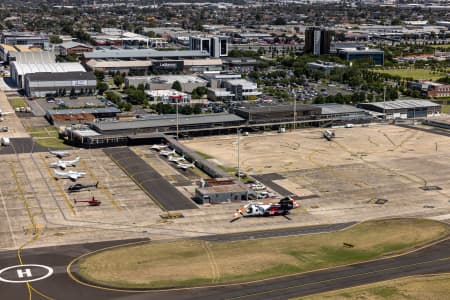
x,y
72,175
91,202
328,134
158,147
186,166
79,186
266,209
59,154
175,159
64,163
5,113
167,152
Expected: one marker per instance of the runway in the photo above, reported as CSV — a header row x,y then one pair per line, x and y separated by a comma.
x,y
59,285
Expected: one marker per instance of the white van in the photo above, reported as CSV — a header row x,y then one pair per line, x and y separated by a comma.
x,y
5,141
348,125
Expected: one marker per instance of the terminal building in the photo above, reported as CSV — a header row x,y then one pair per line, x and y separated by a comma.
x,y
192,124
403,109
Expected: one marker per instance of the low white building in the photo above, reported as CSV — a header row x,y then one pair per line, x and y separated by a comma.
x,y
242,89
168,96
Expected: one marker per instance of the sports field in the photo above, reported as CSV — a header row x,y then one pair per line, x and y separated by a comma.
x,y
415,74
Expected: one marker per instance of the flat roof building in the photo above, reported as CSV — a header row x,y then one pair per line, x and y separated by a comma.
x,y
20,70
49,84
165,82
167,123
144,54
403,109
260,114
376,55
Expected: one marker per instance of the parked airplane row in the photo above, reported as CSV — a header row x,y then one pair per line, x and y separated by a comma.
x,y
180,161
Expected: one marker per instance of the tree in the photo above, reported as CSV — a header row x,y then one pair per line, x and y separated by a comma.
x,y
102,87
118,80
54,39
177,86
72,92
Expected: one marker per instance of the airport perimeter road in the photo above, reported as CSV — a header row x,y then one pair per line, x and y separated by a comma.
x,y
59,285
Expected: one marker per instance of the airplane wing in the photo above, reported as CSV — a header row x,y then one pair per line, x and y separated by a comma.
x,y
74,176
62,164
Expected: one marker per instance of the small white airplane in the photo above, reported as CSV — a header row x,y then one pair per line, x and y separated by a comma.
x,y
167,152
186,166
5,113
158,147
59,154
328,134
175,159
72,175
65,163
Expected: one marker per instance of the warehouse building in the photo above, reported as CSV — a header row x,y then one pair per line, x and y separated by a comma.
x,y
168,124
20,70
49,84
403,109
165,82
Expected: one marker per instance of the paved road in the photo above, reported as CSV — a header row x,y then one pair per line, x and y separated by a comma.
x,y
149,179
434,259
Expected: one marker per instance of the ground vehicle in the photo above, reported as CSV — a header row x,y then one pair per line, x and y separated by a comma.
x,y
348,125
5,141
5,128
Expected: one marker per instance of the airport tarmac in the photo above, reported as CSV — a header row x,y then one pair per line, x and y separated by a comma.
x,y
339,181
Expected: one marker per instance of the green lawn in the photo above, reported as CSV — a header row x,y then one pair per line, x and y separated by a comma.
x,y
415,74
18,102
445,108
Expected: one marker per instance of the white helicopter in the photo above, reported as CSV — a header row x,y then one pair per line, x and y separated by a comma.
x,y
72,175
266,209
65,163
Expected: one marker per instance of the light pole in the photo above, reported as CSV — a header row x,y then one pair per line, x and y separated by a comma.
x,y
384,102
295,108
238,155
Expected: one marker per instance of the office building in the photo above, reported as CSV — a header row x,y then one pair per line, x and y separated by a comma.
x,y
318,40
216,46
354,53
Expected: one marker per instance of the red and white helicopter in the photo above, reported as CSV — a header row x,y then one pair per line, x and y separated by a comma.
x,y
266,209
